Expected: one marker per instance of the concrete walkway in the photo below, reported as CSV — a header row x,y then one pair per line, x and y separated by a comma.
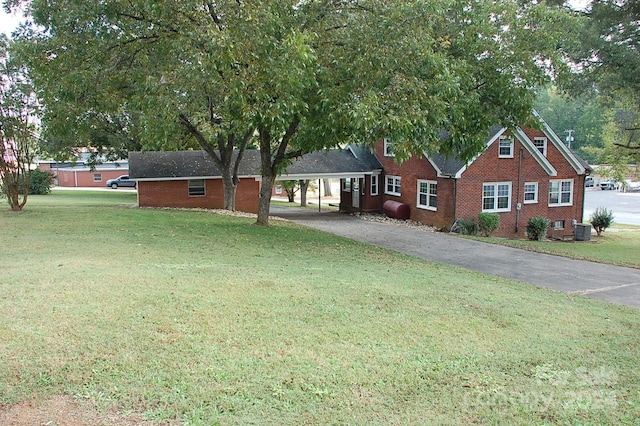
x,y
599,281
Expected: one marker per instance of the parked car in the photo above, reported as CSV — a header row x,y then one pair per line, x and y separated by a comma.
x,y
630,185
123,181
608,184
589,182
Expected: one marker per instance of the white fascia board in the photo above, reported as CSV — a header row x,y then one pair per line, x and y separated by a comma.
x,y
165,179
531,148
434,165
462,169
560,146
490,142
324,176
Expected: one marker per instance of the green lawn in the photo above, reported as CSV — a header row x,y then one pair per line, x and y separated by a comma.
x,y
208,319
616,246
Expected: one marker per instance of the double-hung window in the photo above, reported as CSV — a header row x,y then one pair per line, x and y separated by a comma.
x,y
496,197
393,185
388,148
530,192
196,188
541,145
505,148
561,192
427,194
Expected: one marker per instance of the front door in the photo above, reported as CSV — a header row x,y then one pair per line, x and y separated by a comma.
x,y
355,193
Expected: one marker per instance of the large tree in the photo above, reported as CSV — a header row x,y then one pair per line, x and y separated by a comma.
x,y
608,62
295,75
584,116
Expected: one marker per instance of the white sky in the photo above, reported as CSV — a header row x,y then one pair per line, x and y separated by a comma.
x,y
9,22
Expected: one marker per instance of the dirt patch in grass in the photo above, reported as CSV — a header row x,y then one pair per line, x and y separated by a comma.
x,y
63,410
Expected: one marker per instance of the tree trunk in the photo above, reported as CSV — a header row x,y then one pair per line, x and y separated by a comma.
x,y
270,162
229,187
265,200
327,187
223,158
304,186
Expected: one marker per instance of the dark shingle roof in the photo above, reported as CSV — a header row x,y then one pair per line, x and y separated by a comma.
x,y
185,164
335,162
450,165
197,164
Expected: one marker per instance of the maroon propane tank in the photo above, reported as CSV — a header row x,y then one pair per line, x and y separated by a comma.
x,y
396,210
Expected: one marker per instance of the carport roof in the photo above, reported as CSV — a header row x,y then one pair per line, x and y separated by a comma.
x,y
168,165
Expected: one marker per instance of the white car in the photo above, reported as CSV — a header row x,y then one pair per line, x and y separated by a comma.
x,y
630,185
608,184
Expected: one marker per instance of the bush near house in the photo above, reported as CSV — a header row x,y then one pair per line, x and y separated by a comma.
x,y
465,226
601,219
488,223
537,228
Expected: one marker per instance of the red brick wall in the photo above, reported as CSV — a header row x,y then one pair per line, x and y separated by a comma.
x,y
488,167
368,202
411,171
175,194
71,178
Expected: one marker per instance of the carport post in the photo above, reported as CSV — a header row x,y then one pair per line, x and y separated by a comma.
x,y
319,196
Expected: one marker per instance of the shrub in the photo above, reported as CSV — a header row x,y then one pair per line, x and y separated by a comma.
x,y
601,219
488,223
40,184
537,228
465,227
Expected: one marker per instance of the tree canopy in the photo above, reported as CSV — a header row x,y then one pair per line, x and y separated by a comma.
x,y
296,75
608,62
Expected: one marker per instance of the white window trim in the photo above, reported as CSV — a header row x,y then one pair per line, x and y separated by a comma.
x,y
386,185
495,197
387,148
544,145
428,194
511,147
524,192
97,177
560,203
375,183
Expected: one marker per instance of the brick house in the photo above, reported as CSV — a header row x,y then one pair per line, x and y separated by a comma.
x,y
80,174
189,179
519,175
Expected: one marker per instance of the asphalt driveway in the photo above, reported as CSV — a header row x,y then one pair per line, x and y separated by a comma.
x,y
604,282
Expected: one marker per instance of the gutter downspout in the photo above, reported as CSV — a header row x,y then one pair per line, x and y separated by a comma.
x,y
455,198
518,202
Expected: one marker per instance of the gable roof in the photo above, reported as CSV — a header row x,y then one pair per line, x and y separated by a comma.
x,y
176,165
453,167
578,164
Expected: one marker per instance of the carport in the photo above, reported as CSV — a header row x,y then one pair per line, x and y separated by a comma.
x,y
356,167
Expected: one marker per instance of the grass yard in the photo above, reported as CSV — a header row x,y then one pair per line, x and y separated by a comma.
x,y
186,317
616,246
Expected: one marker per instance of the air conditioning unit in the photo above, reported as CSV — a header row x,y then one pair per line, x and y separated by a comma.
x,y
582,232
